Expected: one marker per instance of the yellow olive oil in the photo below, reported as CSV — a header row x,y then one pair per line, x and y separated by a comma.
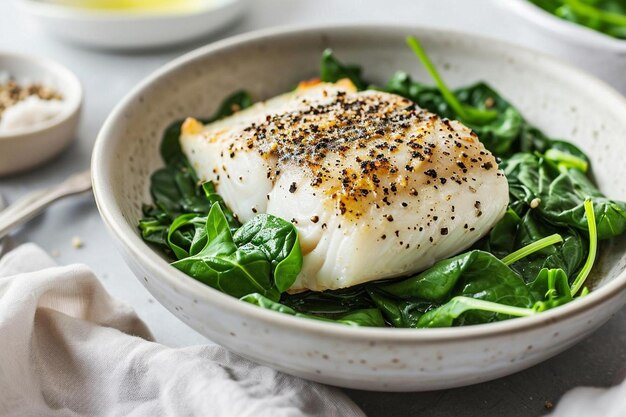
x,y
133,6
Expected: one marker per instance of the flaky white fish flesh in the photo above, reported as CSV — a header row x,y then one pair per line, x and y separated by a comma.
x,y
376,186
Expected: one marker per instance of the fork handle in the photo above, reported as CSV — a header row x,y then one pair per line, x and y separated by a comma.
x,y
34,203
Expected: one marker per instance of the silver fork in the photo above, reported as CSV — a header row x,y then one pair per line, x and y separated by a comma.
x,y
34,203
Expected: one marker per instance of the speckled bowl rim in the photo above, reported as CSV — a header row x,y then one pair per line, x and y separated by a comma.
x,y
568,30
71,107
103,165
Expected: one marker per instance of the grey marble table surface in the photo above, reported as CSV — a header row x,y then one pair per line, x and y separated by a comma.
x,y
107,76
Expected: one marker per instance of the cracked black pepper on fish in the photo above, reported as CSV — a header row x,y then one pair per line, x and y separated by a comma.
x,y
376,186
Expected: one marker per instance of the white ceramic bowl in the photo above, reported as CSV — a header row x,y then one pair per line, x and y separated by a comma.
x,y
560,99
601,54
25,148
125,30
560,27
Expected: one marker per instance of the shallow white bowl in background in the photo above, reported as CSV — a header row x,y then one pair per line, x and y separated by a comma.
x,y
130,30
25,148
603,55
569,31
562,100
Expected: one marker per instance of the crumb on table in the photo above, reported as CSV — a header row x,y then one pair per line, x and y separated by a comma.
x,y
77,243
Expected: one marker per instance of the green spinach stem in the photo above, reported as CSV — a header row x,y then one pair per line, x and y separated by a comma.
x,y
593,247
477,304
566,160
532,248
466,113
595,13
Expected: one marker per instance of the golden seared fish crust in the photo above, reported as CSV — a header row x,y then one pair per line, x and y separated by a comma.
x,y
376,186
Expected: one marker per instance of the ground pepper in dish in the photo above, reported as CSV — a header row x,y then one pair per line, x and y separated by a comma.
x,y
12,92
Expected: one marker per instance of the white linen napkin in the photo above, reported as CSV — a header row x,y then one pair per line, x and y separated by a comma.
x,y
68,349
592,402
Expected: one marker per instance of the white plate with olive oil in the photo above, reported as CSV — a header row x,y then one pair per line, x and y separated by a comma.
x,y
131,24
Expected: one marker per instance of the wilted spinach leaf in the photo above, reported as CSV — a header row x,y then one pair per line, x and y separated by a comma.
x,y
223,266
561,195
567,256
453,311
265,263
154,231
550,289
331,70
278,240
329,303
370,317
187,235
399,312
474,274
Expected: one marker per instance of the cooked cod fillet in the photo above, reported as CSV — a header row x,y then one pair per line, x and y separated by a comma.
x,y
376,186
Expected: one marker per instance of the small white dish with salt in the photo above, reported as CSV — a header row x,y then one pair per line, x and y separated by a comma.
x,y
40,103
